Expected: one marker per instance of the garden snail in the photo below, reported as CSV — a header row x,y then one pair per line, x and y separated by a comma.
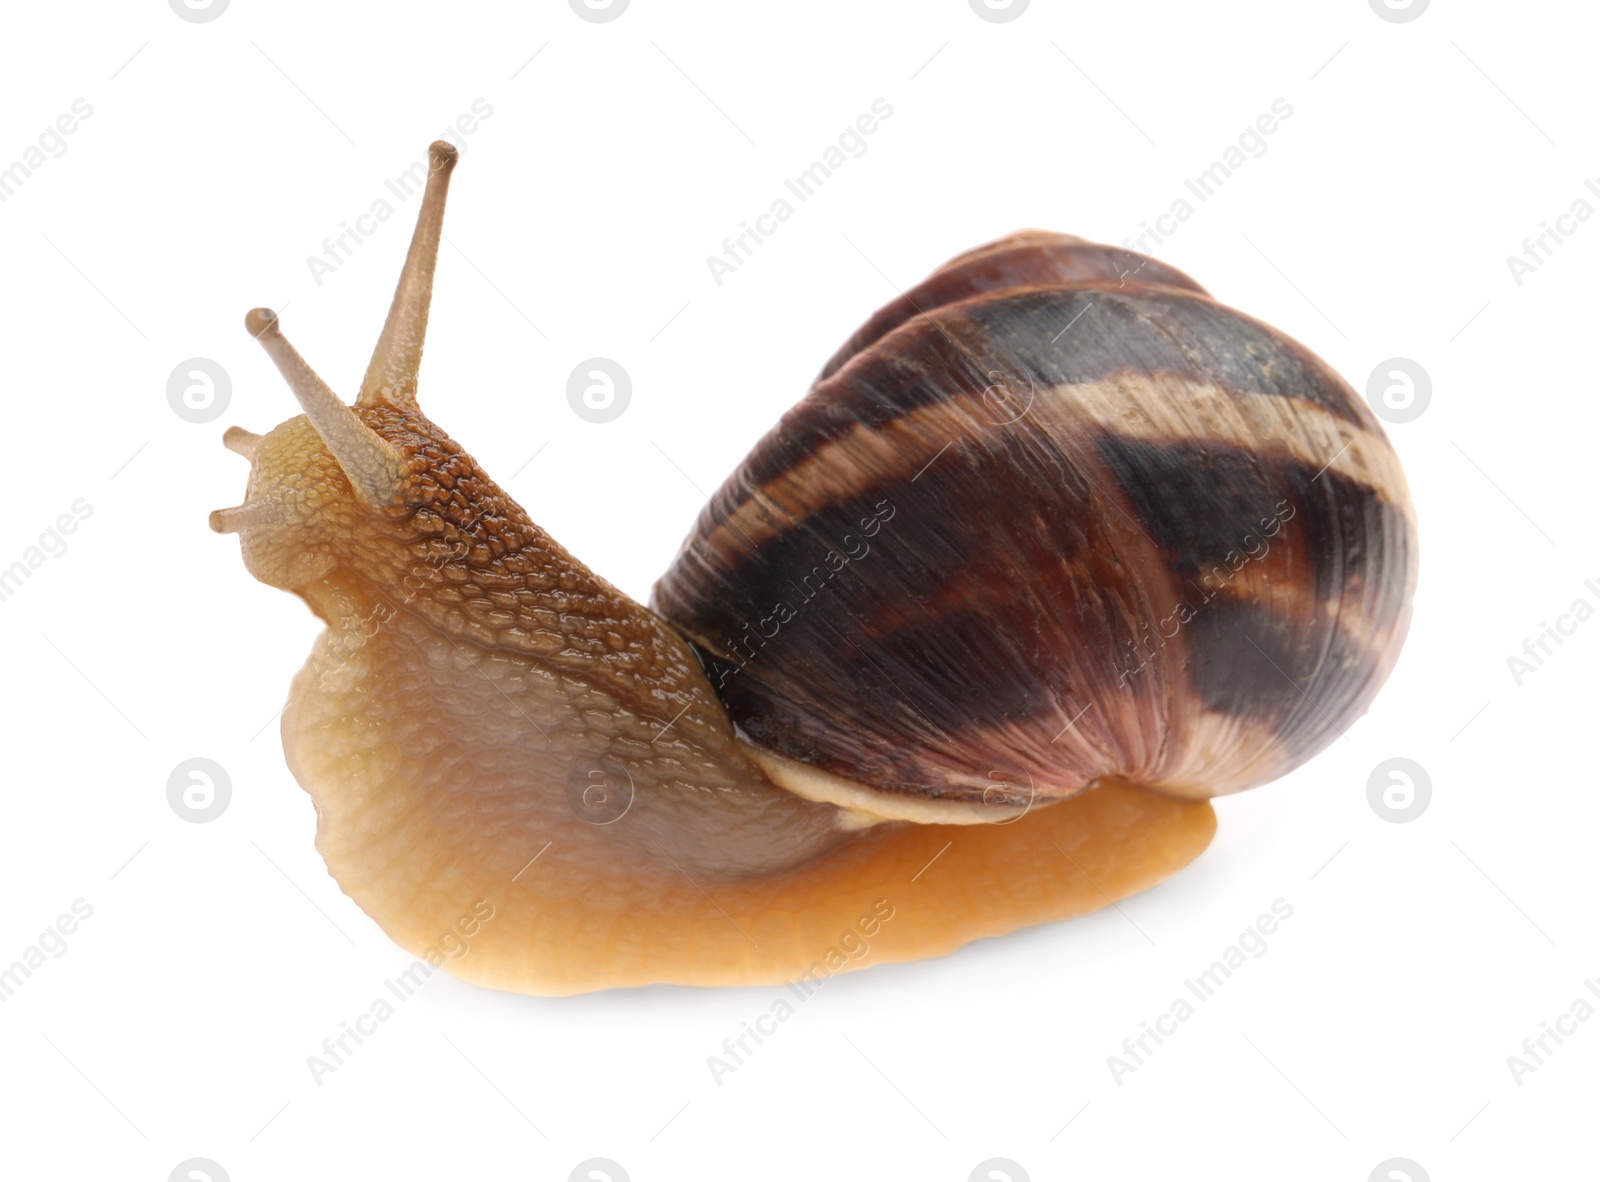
x,y
1054,549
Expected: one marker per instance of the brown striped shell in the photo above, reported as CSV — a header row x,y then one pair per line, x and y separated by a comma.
x,y
1052,515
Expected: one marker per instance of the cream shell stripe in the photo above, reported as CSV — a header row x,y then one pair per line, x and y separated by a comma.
x,y
1156,408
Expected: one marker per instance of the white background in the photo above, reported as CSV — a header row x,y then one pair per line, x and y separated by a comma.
x,y
1377,224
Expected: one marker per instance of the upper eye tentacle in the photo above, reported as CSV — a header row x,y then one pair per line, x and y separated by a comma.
x,y
392,372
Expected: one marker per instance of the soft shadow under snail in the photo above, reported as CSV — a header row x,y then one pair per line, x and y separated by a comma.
x,y
1055,548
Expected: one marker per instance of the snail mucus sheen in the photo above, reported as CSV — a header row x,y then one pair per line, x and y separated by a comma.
x,y
1054,549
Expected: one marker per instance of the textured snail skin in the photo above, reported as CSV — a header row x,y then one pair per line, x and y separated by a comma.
x,y
472,670
531,780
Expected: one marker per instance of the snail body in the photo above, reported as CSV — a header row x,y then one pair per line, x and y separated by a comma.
x,y
1055,548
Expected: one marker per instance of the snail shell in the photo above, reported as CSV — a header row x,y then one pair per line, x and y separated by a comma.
x,y
1053,515
1052,521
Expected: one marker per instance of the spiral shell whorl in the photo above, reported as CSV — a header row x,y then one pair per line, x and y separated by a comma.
x,y
1070,519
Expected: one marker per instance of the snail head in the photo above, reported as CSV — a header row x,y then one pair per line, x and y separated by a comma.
x,y
376,472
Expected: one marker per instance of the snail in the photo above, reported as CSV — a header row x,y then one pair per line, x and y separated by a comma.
x,y
1054,550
